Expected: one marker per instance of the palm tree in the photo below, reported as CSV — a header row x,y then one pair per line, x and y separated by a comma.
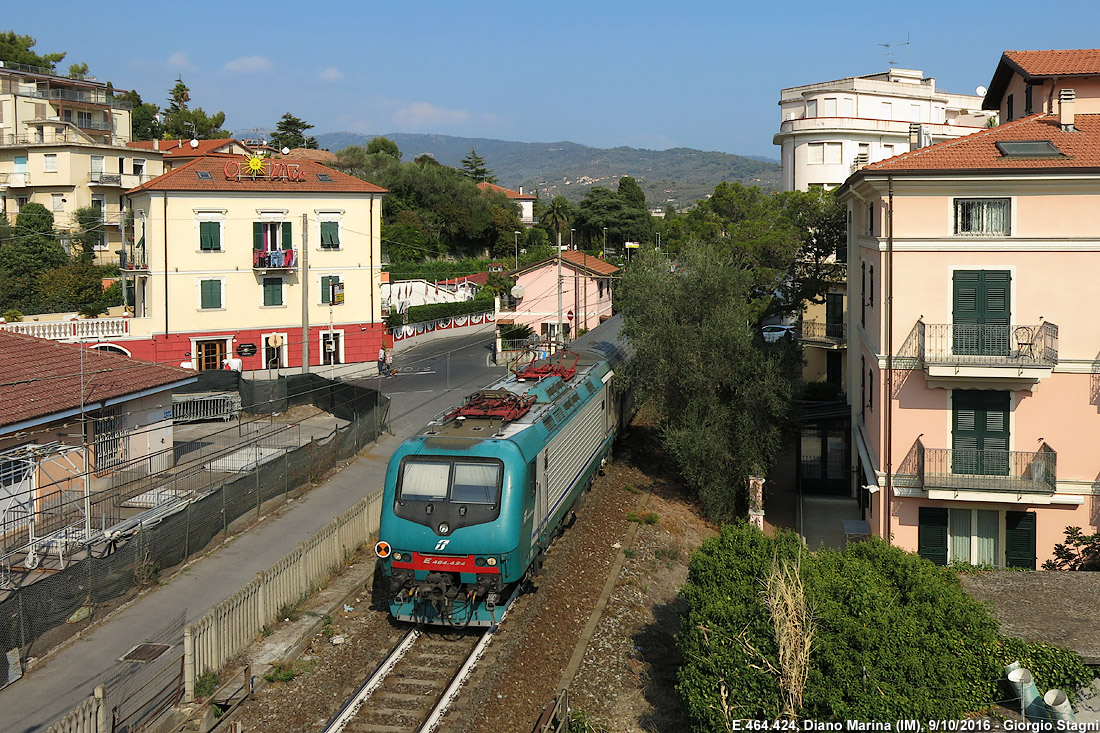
x,y
558,215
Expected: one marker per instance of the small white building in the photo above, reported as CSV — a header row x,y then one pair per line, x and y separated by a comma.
x,y
829,129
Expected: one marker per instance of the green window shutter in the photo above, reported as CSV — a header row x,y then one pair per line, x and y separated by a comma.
x,y
981,311
287,243
979,432
210,294
210,239
273,291
326,288
1020,540
932,534
330,234
257,235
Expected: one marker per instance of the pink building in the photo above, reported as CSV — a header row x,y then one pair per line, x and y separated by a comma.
x,y
973,355
585,295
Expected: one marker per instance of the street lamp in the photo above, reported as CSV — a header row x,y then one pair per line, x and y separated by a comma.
x,y
571,247
605,241
517,249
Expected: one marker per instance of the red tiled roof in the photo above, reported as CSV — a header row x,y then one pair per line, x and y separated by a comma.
x,y
1080,149
1038,65
183,149
306,172
321,156
578,259
39,378
1056,63
492,187
480,278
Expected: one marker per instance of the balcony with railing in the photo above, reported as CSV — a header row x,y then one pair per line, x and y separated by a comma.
x,y
134,258
954,470
275,259
99,178
828,335
16,180
72,330
957,350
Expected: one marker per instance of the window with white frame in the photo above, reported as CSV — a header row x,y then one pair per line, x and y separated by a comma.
x,y
330,234
211,294
273,291
208,229
824,153
811,108
982,217
139,167
49,163
325,287
57,202
829,107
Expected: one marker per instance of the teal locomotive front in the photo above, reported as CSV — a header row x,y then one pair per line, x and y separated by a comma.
x,y
453,520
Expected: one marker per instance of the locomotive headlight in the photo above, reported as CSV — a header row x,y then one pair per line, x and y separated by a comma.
x,y
492,561
480,561
444,528
398,556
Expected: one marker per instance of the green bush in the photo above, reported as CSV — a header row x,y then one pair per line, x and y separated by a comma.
x,y
281,673
206,683
896,637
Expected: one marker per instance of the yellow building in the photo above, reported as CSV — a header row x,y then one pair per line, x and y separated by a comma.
x,y
63,145
259,262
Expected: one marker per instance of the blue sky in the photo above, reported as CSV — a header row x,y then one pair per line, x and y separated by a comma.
x,y
643,74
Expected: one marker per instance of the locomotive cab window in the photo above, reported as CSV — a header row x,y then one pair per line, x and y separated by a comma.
x,y
424,480
475,483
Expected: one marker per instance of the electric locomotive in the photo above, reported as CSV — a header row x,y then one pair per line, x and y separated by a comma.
x,y
473,500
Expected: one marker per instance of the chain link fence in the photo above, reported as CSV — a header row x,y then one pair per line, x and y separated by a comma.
x,y
33,617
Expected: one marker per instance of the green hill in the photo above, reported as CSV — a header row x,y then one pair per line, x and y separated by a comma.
x,y
679,176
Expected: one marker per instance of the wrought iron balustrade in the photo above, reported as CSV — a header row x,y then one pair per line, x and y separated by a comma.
x,y
833,333
979,470
1006,345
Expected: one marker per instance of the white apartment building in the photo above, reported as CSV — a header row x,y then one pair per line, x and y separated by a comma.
x,y
63,145
829,129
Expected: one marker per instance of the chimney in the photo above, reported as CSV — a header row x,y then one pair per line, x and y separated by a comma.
x,y
156,144
1066,100
521,190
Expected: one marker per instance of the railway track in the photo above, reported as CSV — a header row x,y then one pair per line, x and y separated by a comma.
x,y
417,681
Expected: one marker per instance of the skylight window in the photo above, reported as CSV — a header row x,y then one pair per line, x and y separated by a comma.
x,y
323,177
1028,149
204,175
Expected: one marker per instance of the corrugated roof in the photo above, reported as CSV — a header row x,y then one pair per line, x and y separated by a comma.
x,y
300,176
39,378
1080,149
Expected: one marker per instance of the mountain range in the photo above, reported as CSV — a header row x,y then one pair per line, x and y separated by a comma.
x,y
676,177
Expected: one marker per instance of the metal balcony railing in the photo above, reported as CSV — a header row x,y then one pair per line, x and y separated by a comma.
x,y
830,333
133,257
1022,472
1006,345
100,178
277,259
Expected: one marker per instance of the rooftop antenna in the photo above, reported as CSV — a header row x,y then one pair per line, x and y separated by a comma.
x,y
889,53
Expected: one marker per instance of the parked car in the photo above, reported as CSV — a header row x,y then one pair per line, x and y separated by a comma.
x,y
776,331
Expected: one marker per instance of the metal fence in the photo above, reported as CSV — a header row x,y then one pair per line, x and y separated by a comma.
x,y
123,563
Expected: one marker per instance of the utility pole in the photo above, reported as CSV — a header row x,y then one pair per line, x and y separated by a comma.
x,y
558,338
303,280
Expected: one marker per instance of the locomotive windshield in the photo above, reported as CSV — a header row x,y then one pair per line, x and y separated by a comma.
x,y
460,481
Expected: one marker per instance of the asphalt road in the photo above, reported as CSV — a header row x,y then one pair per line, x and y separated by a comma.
x,y
433,376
